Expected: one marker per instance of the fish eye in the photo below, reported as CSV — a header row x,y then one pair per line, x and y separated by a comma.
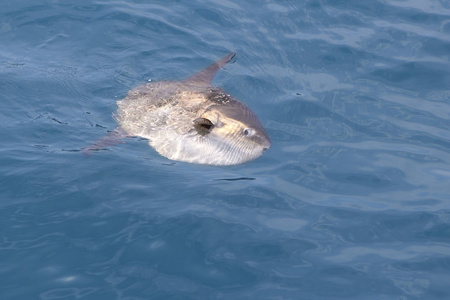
x,y
248,132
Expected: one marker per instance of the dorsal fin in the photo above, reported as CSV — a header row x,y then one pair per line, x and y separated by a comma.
x,y
205,76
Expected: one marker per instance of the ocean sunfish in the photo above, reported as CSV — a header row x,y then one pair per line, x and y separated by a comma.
x,y
190,121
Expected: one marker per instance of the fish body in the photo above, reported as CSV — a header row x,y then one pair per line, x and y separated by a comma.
x,y
192,121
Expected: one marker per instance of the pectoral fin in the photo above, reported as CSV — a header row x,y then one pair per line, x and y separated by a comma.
x,y
203,126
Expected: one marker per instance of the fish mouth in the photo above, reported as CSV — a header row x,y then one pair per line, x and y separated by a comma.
x,y
262,140
266,144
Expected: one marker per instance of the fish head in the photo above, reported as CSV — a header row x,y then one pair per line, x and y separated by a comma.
x,y
233,133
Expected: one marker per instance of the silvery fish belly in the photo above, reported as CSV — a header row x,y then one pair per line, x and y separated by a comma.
x,y
192,121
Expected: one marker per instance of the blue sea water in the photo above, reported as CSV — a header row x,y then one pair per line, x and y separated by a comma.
x,y
351,202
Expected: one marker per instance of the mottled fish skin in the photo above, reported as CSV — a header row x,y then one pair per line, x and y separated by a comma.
x,y
192,121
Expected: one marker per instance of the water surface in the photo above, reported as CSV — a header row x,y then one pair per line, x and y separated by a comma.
x,y
351,201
